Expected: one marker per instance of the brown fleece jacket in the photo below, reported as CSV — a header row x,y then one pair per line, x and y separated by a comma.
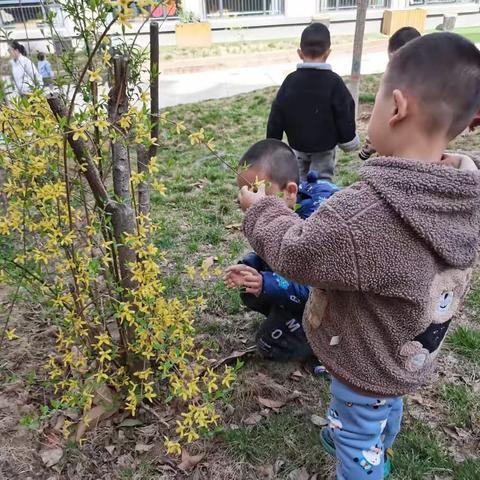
x,y
389,260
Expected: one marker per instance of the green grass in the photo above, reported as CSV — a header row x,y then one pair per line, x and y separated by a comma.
x,y
463,406
466,342
472,33
284,436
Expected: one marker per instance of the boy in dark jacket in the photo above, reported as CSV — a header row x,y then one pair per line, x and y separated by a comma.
x,y
390,258
281,336
314,108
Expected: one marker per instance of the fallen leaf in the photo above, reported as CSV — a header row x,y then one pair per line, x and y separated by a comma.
x,y
278,467
104,396
234,355
297,375
253,419
319,421
142,448
110,449
51,457
189,461
234,226
131,422
208,263
298,474
266,472
58,427
91,419
273,404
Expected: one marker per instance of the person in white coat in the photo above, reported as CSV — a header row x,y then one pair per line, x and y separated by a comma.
x,y
24,73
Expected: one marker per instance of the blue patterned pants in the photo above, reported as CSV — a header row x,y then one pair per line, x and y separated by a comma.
x,y
362,429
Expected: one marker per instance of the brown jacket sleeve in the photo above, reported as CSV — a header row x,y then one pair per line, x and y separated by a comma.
x,y
318,252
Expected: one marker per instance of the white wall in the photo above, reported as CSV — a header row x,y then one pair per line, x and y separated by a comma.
x,y
195,6
303,8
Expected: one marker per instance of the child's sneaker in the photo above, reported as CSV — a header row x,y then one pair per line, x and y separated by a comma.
x,y
329,447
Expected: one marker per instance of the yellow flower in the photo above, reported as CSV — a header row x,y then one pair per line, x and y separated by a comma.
x,y
159,187
102,124
107,57
80,133
180,127
173,448
211,145
10,334
94,76
190,271
124,17
196,137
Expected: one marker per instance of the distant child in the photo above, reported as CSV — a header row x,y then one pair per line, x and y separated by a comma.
x,y
390,258
281,336
314,108
397,41
45,69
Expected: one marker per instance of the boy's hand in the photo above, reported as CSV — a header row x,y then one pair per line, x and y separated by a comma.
x,y
247,198
246,277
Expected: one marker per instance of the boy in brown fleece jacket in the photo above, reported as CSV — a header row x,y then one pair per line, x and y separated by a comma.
x,y
390,257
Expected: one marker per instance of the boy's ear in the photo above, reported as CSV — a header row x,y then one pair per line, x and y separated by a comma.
x,y
400,111
327,54
300,54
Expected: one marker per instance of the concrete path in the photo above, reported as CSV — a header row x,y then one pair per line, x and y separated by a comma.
x,y
183,88
176,89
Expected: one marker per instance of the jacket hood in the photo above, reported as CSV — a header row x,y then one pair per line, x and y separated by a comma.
x,y
441,204
312,193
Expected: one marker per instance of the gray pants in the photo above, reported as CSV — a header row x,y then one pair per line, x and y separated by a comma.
x,y
322,162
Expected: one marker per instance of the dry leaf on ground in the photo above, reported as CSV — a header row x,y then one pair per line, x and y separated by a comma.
x,y
91,419
51,457
318,421
131,422
142,448
190,461
253,419
273,404
299,474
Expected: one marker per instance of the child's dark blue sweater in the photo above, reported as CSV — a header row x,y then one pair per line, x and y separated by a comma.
x,y
281,300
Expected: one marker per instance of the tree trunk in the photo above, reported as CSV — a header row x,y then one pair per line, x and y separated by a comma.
x,y
362,6
123,215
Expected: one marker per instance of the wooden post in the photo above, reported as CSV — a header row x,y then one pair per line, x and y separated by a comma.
x,y
362,6
154,93
143,154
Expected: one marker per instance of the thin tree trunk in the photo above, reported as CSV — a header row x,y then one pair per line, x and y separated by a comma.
x,y
82,151
123,215
362,6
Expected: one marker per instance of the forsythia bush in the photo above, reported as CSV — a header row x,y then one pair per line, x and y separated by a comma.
x,y
57,240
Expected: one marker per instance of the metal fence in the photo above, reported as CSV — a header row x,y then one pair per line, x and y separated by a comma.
x,y
223,8
436,2
11,15
351,4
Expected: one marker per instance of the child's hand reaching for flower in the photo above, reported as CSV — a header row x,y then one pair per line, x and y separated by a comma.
x,y
249,197
243,276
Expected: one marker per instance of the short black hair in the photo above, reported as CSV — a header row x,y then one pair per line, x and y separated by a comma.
x,y
276,158
442,71
315,40
402,37
41,56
